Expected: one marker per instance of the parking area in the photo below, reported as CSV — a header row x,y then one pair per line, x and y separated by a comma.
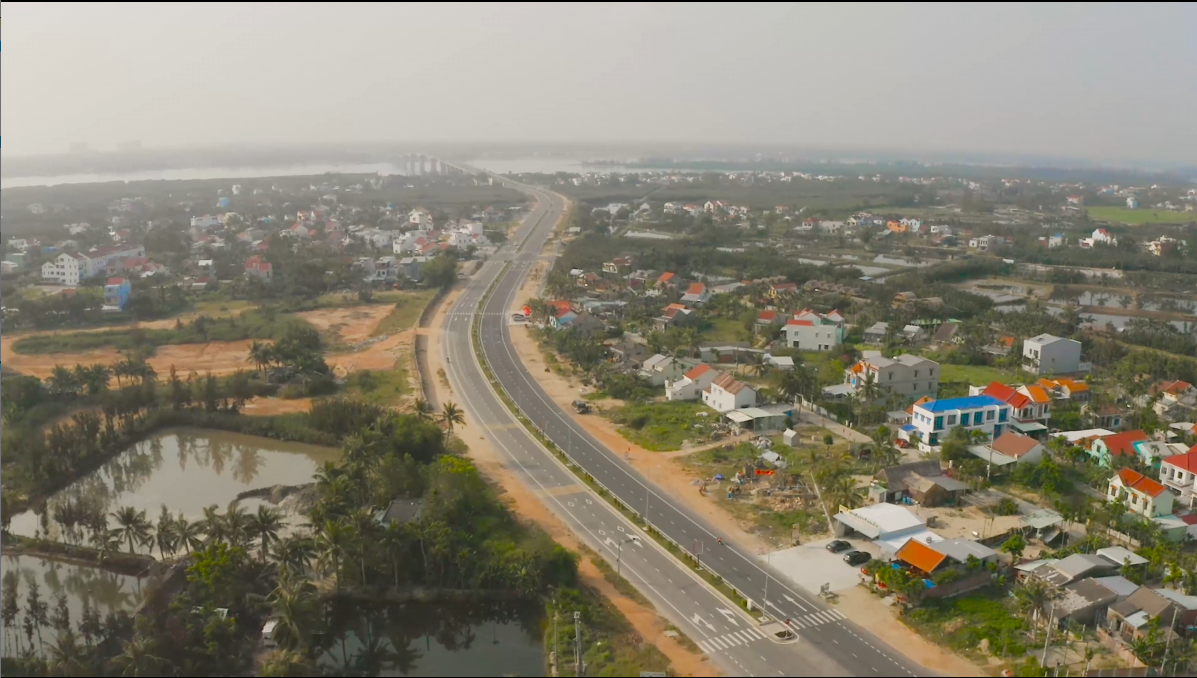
x,y
811,565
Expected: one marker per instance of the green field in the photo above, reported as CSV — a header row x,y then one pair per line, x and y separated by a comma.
x,y
1140,217
379,387
408,308
729,330
662,427
978,375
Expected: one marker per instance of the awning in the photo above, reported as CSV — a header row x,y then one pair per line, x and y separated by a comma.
x,y
1033,427
891,545
739,417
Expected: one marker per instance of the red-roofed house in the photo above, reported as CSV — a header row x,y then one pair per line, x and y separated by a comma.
x,y
259,268
696,293
812,331
692,383
1105,448
1140,494
1179,473
668,279
674,315
766,319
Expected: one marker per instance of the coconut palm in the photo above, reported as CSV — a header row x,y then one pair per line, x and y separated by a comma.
x,y
67,657
62,380
138,658
261,355
331,543
236,524
394,541
189,534
132,526
292,604
423,409
294,553
164,534
285,664
214,525
1034,595
452,415
264,526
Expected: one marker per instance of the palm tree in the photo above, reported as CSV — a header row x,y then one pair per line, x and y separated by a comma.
x,y
331,542
138,658
214,525
62,380
189,534
164,534
294,553
869,390
291,604
260,355
265,526
1033,596
67,658
132,526
394,543
285,664
423,409
236,524
452,415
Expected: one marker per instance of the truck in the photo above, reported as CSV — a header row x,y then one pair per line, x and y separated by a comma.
x,y
581,407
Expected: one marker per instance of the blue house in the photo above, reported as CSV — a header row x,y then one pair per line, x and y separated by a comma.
x,y
116,294
935,419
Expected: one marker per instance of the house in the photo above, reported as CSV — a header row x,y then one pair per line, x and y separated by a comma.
x,y
420,217
662,368
876,333
1140,494
909,376
1065,388
1174,393
1179,474
205,222
1074,568
259,268
1077,200
1047,354
116,294
889,526
618,266
922,481
692,384
766,319
1132,203
1102,236
668,280
401,511
1030,410
696,293
7,267
895,226
1001,346
779,290
1105,448
1043,523
674,315
1008,449
812,331
1152,452
945,334
935,420
1107,416
726,393
1082,601
1131,619
70,269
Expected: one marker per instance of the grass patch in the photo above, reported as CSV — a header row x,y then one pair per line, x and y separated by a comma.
x,y
962,622
1139,217
218,307
615,579
379,387
977,375
252,324
725,330
408,307
662,427
611,646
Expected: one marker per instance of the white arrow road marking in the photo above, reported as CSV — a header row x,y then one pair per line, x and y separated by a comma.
x,y
770,604
697,619
796,603
731,616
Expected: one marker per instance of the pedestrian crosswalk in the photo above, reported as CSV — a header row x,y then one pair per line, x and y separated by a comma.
x,y
730,640
807,621
735,639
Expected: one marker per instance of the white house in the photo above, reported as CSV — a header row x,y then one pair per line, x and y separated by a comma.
x,y
811,331
1047,354
420,217
70,269
1140,494
1132,203
1102,236
909,376
726,394
206,221
662,368
692,383
1179,474
935,419
1009,448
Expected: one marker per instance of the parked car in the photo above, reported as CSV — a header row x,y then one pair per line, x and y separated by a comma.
x,y
857,557
838,545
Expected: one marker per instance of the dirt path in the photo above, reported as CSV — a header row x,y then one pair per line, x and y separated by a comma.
x,y
352,325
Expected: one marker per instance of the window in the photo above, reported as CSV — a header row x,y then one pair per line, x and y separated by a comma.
x,y
938,423
951,420
977,418
916,374
989,415
934,440
1002,415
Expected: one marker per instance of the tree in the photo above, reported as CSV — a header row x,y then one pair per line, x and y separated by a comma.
x,y
260,354
189,534
452,415
132,526
62,381
264,526
164,533
1033,596
423,409
1015,545
292,603
138,658
286,664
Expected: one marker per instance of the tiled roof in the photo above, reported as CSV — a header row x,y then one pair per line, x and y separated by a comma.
x,y
698,371
1123,444
920,556
1038,395
729,383
767,315
1014,444
666,276
696,288
1186,461
1132,479
804,323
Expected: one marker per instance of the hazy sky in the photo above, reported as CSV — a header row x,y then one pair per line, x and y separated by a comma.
x,y
1093,81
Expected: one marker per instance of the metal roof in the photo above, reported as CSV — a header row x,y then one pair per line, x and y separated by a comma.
x,y
965,403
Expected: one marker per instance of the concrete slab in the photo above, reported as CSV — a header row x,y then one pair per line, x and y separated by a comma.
x,y
811,565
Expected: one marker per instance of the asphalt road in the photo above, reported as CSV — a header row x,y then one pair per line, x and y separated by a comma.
x,y
827,643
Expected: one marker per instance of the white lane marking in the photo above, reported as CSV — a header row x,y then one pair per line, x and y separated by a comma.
x,y
718,642
732,639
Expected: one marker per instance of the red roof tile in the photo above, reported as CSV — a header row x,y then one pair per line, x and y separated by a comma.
x,y
1186,461
1132,479
1123,444
1014,445
697,371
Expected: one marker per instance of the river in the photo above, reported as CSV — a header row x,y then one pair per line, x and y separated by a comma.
x,y
186,470
198,173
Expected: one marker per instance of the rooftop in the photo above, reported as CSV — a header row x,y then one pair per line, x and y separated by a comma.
x,y
1132,479
921,555
1014,444
965,403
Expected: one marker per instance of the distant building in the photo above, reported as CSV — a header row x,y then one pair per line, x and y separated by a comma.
x,y
811,331
1132,203
116,294
692,383
1047,354
259,268
909,376
726,393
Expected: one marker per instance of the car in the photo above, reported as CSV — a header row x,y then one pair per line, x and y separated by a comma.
x,y
838,545
857,557
519,317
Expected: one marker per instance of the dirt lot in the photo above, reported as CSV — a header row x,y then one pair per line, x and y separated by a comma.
x,y
225,357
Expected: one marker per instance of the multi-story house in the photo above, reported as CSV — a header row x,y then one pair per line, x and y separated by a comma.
x,y
660,368
935,419
909,376
726,394
810,331
1179,474
1030,406
259,268
1140,494
70,269
116,294
1047,354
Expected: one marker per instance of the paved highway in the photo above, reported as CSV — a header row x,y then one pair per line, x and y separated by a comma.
x,y
827,643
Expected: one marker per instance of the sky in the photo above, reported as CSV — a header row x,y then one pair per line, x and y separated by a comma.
x,y
1114,82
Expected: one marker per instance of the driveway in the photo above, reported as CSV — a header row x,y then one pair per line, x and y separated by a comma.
x,y
811,565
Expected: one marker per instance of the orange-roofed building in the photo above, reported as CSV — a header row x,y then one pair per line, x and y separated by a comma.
x,y
920,557
692,383
667,279
1140,494
1105,448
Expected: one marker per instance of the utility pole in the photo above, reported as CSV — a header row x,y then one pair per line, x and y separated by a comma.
x,y
578,668
1047,641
